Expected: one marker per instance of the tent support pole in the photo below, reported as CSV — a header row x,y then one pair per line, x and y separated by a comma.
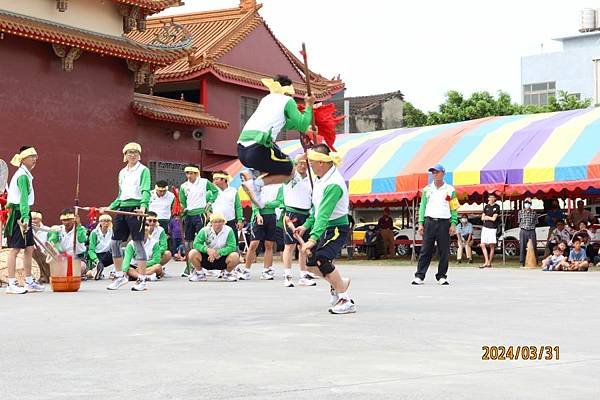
x,y
413,256
503,220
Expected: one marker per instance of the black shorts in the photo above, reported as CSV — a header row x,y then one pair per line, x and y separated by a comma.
x,y
329,245
265,159
105,258
17,240
126,225
298,220
266,231
219,263
192,224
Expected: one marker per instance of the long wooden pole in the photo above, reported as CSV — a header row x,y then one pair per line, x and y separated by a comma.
x,y
312,122
76,206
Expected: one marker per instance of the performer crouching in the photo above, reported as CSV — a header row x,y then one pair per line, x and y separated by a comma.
x,y
329,225
152,250
158,234
214,249
18,228
63,238
134,196
99,252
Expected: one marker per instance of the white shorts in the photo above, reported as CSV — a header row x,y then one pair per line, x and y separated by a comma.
x,y
488,235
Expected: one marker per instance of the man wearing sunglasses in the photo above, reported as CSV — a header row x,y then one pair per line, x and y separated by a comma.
x,y
158,234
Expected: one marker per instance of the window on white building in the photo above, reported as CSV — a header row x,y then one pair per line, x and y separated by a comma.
x,y
538,93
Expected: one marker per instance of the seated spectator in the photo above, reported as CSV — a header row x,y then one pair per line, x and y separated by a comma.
x,y
158,234
579,214
554,215
577,257
556,260
558,234
99,251
152,248
564,248
214,248
62,239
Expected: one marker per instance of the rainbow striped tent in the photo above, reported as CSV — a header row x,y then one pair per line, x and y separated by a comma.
x,y
517,155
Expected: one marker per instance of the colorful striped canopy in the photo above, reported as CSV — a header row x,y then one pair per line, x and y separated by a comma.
x,y
518,154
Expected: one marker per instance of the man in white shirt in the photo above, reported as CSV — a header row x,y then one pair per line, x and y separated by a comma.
x,y
161,202
437,222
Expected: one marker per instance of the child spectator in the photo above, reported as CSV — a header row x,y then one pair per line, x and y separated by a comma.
x,y
175,234
557,259
577,257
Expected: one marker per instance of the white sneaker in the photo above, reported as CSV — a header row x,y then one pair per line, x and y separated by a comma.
x,y
306,281
34,287
244,275
140,286
14,289
417,281
287,281
268,274
152,278
229,276
334,296
343,306
196,276
118,282
443,281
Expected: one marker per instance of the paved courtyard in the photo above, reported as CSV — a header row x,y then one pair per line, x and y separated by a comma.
x,y
259,340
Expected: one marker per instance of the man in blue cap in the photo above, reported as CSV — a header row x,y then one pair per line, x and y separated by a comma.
x,y
438,217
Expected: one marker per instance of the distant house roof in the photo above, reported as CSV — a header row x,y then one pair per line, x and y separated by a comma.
x,y
153,6
178,111
214,34
361,104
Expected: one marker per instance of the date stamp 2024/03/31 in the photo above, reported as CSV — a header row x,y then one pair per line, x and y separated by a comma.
x,y
502,353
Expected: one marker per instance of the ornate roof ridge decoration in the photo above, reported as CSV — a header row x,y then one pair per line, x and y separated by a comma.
x,y
176,111
121,47
214,34
171,36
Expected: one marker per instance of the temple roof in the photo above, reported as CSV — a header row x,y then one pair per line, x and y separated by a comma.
x,y
214,34
153,5
177,111
52,32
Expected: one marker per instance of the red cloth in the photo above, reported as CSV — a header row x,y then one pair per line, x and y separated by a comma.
x,y
176,209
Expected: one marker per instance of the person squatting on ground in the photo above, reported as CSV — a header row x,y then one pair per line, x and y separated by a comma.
x,y
133,196
215,248
464,237
18,229
158,234
63,240
256,145
263,229
328,225
40,233
152,249
99,250
437,221
297,200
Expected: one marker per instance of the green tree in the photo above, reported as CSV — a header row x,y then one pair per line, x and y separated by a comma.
x,y
412,116
457,108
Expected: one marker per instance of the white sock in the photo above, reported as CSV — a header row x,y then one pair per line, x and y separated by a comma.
x,y
266,269
29,279
12,281
343,296
287,272
119,274
142,278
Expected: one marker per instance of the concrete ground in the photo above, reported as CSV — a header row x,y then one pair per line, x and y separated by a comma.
x,y
259,340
